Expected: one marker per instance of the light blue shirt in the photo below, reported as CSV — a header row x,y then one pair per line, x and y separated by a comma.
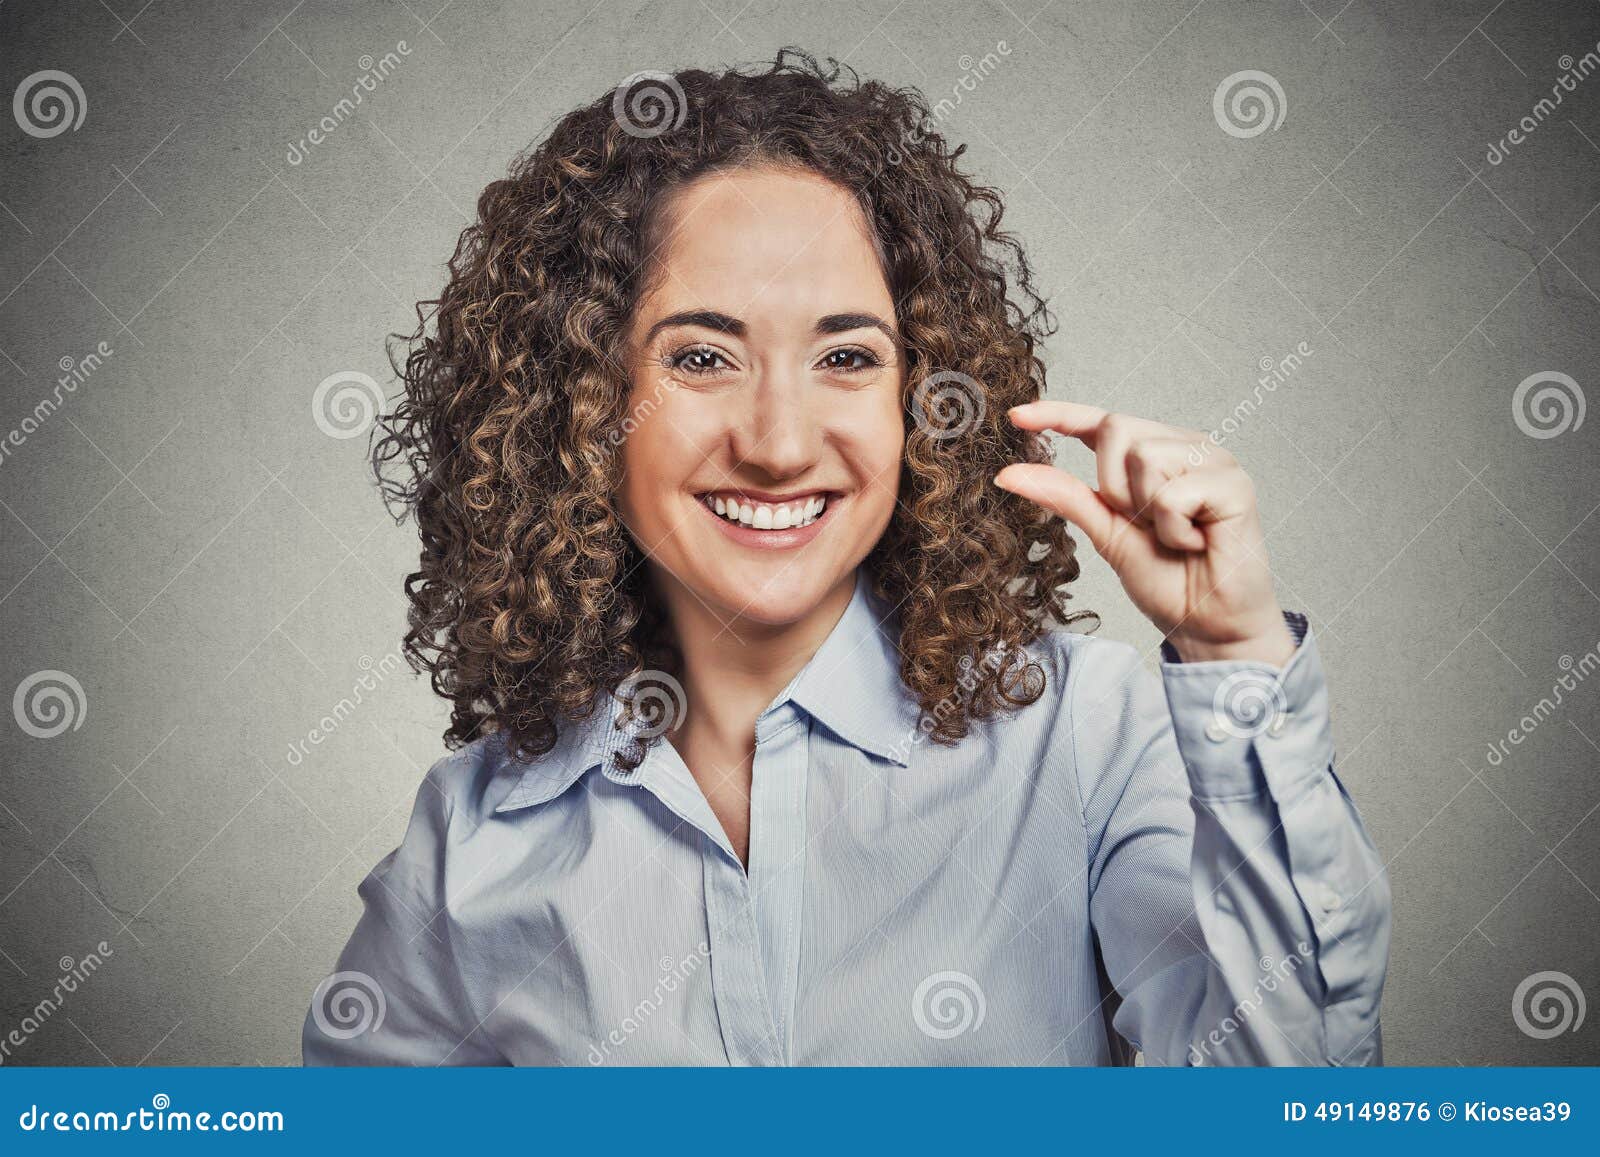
x,y
1130,856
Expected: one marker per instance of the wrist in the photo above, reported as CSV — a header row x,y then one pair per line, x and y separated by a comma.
x,y
1275,646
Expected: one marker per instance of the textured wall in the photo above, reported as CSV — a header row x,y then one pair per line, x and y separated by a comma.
x,y
184,537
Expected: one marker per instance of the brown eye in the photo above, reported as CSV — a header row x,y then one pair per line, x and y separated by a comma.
x,y
698,360
850,359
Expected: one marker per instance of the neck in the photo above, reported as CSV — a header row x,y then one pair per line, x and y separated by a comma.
x,y
733,668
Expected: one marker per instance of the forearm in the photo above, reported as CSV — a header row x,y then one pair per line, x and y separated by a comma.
x,y
1289,892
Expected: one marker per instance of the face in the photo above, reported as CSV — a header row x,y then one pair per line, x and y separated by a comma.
x,y
761,455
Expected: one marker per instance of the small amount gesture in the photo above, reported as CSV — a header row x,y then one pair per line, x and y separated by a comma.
x,y
1184,538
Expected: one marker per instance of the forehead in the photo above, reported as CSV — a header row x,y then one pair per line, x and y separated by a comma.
x,y
754,242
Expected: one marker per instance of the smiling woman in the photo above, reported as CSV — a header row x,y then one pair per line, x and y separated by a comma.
x,y
744,567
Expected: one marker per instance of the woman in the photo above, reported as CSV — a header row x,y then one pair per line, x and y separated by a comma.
x,y
743,570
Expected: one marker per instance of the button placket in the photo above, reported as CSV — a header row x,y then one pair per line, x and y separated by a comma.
x,y
737,980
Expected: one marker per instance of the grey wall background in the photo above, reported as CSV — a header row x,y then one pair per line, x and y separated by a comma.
x,y
185,541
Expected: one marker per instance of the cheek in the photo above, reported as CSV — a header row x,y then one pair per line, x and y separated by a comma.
x,y
877,446
661,447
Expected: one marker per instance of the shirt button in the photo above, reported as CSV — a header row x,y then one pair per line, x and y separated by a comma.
x,y
1330,900
1279,722
1216,732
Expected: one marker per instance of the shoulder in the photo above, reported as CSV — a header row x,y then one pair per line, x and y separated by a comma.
x,y
453,800
1078,665
1107,705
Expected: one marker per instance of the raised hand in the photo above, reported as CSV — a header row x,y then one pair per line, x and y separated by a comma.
x,y
1176,518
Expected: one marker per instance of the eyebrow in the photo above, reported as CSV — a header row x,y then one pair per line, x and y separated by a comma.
x,y
726,323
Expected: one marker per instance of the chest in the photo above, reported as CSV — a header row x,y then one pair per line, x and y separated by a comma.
x,y
930,914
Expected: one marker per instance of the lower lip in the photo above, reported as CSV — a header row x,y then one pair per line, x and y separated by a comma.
x,y
771,539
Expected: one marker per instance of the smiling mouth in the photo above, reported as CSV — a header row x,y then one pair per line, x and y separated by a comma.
x,y
790,514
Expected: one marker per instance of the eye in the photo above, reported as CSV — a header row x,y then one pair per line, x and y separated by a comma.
x,y
699,359
850,359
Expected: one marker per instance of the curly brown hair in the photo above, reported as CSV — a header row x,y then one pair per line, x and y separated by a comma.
x,y
531,602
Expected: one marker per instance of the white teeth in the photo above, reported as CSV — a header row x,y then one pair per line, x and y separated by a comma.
x,y
761,516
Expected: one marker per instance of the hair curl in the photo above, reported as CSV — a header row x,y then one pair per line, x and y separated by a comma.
x,y
531,603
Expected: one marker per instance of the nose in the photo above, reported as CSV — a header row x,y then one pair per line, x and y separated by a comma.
x,y
777,433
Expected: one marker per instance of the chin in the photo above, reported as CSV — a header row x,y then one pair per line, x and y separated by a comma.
x,y
774,594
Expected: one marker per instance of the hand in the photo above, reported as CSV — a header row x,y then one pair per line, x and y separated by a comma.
x,y
1176,518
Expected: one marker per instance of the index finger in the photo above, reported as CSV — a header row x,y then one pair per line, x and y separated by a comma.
x,y
1076,419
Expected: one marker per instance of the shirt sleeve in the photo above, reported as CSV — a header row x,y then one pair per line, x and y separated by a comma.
x,y
395,996
1242,911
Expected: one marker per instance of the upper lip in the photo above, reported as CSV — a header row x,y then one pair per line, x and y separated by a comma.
x,y
769,497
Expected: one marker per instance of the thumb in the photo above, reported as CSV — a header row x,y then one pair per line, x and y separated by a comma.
x,y
1068,496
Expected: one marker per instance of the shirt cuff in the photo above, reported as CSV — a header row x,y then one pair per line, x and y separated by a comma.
x,y
1247,728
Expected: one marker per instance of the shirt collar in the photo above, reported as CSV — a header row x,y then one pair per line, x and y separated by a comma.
x,y
851,686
